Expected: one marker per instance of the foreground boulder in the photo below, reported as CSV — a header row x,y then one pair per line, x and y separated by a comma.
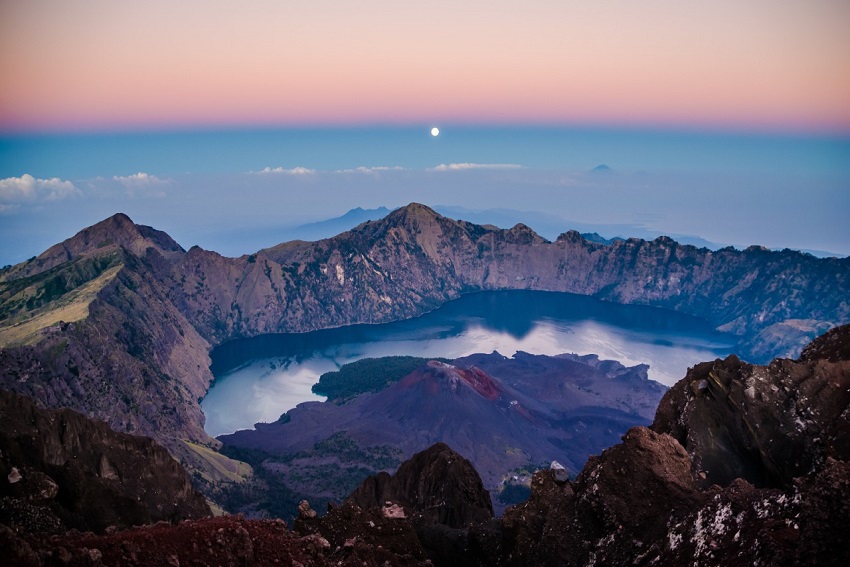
x,y
435,486
425,510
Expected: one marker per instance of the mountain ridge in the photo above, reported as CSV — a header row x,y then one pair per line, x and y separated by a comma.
x,y
141,344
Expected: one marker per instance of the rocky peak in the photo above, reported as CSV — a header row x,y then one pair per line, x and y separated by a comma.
x,y
832,346
118,230
437,486
412,213
571,237
414,210
765,424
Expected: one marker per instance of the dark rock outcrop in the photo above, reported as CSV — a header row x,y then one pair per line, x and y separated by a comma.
x,y
435,504
765,424
725,477
435,486
60,470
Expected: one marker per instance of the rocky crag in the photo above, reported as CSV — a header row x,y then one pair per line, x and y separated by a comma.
x,y
744,465
780,494
117,321
61,470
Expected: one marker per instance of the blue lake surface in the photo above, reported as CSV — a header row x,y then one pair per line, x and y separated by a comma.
x,y
258,379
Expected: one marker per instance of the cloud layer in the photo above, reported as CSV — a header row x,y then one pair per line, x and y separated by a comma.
x,y
293,171
28,189
463,166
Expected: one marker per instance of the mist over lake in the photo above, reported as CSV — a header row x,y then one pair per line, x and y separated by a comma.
x,y
258,379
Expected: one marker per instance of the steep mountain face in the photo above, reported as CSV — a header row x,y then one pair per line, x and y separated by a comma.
x,y
414,259
129,358
505,414
744,465
61,470
118,320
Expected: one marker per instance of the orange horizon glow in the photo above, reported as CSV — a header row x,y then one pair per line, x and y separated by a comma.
x,y
764,66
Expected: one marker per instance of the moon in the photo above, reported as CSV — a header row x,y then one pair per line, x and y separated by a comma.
x,y
435,131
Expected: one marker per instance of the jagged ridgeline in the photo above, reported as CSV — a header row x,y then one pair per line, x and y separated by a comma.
x,y
117,321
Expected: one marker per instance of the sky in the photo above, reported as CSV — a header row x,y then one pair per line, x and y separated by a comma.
x,y
229,124
766,65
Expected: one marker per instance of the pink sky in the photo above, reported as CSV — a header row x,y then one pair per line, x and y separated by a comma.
x,y
772,65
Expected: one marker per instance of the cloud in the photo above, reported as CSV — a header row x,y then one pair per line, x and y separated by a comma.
x,y
138,180
463,166
293,171
371,170
27,189
141,184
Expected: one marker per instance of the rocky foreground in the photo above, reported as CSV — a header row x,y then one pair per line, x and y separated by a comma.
x,y
744,465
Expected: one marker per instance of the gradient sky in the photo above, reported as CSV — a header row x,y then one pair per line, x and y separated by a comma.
x,y
764,65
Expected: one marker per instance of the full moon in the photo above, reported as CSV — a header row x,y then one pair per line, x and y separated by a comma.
x,y
435,132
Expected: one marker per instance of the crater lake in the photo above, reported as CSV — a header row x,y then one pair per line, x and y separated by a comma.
x,y
258,379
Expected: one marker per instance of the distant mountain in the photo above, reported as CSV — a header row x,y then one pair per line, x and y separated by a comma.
x,y
331,227
117,321
550,226
504,414
595,237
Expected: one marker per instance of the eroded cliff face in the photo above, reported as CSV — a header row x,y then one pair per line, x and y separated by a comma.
x,y
414,260
118,320
130,359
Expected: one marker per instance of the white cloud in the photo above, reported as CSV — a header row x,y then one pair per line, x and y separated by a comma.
x,y
463,166
138,180
28,189
293,171
141,184
371,170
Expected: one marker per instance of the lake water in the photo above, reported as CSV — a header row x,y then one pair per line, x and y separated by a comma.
x,y
259,379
